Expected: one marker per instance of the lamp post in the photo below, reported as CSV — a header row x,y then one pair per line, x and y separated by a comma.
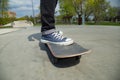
x,y
33,12
0,7
83,13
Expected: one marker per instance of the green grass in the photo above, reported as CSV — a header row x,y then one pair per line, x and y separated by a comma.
x,y
1,27
88,23
104,23
37,25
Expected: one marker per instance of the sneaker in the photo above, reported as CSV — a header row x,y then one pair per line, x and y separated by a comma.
x,y
56,38
60,32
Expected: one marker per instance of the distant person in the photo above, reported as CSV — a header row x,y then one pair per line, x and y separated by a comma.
x,y
49,33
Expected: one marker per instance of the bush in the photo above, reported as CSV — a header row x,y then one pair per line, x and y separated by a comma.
x,y
4,21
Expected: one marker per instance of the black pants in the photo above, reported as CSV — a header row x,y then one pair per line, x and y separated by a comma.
x,y
47,14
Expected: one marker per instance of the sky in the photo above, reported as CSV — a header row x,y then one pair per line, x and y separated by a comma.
x,y
24,7
115,2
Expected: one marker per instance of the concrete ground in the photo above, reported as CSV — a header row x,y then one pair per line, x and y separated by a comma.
x,y
8,30
23,57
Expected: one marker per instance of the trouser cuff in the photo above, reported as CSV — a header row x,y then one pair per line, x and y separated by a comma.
x,y
48,31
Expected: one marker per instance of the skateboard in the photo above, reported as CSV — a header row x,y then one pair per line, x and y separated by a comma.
x,y
62,51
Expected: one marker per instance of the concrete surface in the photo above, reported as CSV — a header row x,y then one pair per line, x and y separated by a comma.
x,y
20,23
23,57
7,30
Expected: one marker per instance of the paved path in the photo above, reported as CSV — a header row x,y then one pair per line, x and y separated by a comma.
x,y
23,57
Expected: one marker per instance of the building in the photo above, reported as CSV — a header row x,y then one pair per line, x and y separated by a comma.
x,y
11,14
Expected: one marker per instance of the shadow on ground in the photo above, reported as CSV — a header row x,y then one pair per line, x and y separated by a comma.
x,y
2,73
36,36
62,63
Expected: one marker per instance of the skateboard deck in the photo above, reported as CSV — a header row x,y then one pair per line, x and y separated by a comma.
x,y
62,51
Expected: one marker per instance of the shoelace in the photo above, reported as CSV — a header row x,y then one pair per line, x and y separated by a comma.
x,y
57,35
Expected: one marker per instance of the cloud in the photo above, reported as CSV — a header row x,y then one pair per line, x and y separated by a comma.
x,y
24,7
115,3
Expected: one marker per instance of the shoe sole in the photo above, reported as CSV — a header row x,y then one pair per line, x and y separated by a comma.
x,y
59,43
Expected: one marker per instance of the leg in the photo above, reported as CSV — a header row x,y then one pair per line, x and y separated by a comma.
x,y
49,34
47,15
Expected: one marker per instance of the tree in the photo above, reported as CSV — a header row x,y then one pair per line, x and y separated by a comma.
x,y
89,8
112,13
99,9
3,7
78,6
66,10
96,8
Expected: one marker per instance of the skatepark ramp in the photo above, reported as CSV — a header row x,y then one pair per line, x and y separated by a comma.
x,y
21,23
